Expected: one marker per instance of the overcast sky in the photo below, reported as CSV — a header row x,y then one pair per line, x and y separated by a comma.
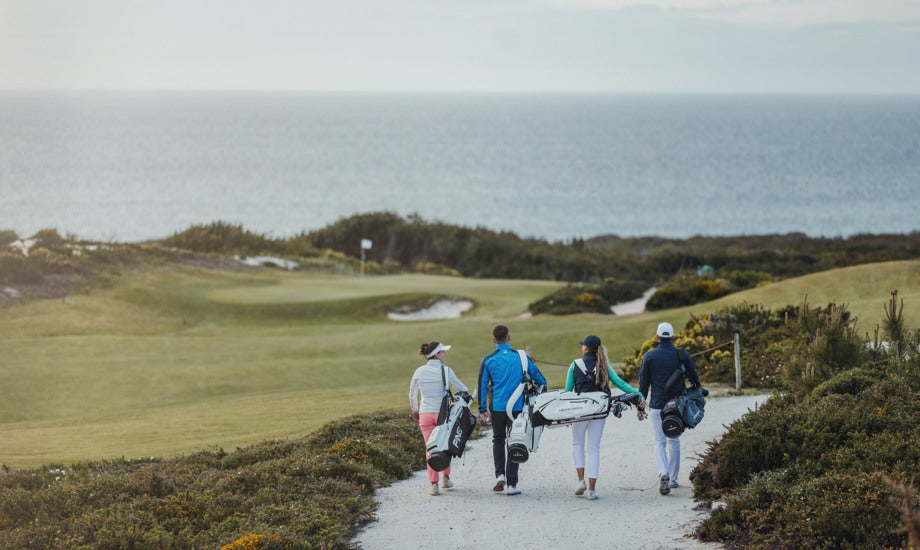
x,y
674,46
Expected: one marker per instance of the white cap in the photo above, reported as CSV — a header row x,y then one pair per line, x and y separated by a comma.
x,y
665,330
437,350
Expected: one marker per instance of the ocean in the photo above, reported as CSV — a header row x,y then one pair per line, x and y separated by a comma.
x,y
134,166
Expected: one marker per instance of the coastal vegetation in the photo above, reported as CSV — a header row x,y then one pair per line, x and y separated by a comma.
x,y
829,461
312,491
297,494
177,351
604,270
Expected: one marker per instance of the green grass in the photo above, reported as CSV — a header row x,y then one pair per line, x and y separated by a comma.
x,y
181,359
864,288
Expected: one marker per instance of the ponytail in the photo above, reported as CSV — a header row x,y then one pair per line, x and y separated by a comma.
x,y
601,376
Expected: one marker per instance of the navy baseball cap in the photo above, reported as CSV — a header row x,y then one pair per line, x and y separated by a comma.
x,y
592,342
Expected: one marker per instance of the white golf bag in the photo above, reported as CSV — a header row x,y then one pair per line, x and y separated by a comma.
x,y
558,408
455,424
523,437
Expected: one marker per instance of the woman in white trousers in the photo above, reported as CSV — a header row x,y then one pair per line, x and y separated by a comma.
x,y
592,372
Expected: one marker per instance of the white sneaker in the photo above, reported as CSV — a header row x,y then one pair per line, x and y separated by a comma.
x,y
446,482
513,490
434,490
580,488
499,484
591,495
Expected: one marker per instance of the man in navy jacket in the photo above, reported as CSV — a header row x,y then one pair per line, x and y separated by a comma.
x,y
658,364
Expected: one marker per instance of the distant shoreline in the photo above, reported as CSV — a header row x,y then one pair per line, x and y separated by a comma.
x,y
599,237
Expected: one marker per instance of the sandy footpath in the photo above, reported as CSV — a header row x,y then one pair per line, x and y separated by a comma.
x,y
629,512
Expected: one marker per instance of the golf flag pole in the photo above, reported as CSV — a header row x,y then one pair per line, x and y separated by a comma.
x,y
366,244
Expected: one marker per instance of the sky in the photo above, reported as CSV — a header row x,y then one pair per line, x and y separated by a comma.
x,y
632,46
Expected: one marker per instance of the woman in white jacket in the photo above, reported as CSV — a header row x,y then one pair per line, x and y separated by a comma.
x,y
428,381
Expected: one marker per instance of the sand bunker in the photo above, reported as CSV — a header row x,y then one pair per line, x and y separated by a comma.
x,y
633,306
11,292
260,261
444,308
23,245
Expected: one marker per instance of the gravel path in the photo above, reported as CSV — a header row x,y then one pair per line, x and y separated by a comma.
x,y
629,512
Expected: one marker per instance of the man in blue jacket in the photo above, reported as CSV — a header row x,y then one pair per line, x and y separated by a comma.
x,y
658,364
499,375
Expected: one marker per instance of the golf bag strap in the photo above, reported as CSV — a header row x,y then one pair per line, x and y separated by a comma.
x,y
444,411
523,355
678,374
444,378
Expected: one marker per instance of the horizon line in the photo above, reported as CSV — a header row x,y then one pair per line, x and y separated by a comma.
x,y
466,92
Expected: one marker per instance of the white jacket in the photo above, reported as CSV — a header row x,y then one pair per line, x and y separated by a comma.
x,y
427,380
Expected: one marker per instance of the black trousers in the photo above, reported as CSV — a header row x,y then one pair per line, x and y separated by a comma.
x,y
501,425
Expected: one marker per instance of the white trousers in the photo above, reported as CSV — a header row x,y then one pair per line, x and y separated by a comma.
x,y
588,434
667,450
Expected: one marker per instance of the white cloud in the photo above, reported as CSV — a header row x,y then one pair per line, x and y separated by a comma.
x,y
774,13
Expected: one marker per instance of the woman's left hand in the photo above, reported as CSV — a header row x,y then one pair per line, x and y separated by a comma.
x,y
415,415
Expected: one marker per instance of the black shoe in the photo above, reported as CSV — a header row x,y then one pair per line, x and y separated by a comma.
x,y
664,484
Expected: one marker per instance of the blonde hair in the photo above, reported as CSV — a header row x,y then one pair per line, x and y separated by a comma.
x,y
601,376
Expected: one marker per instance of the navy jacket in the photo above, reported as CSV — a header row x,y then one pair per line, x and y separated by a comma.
x,y
658,365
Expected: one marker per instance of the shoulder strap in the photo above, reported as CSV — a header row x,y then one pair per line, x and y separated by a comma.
x,y
580,363
523,356
678,374
444,411
444,378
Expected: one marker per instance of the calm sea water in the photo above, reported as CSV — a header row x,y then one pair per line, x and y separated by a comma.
x,y
130,166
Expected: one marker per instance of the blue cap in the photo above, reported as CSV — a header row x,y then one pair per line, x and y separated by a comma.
x,y
592,342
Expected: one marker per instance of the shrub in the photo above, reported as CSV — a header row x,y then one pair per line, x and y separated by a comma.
x,y
50,239
222,237
311,492
270,541
741,279
570,299
7,236
16,268
851,382
687,290
477,252
837,510
48,261
828,344
815,466
761,441
616,291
